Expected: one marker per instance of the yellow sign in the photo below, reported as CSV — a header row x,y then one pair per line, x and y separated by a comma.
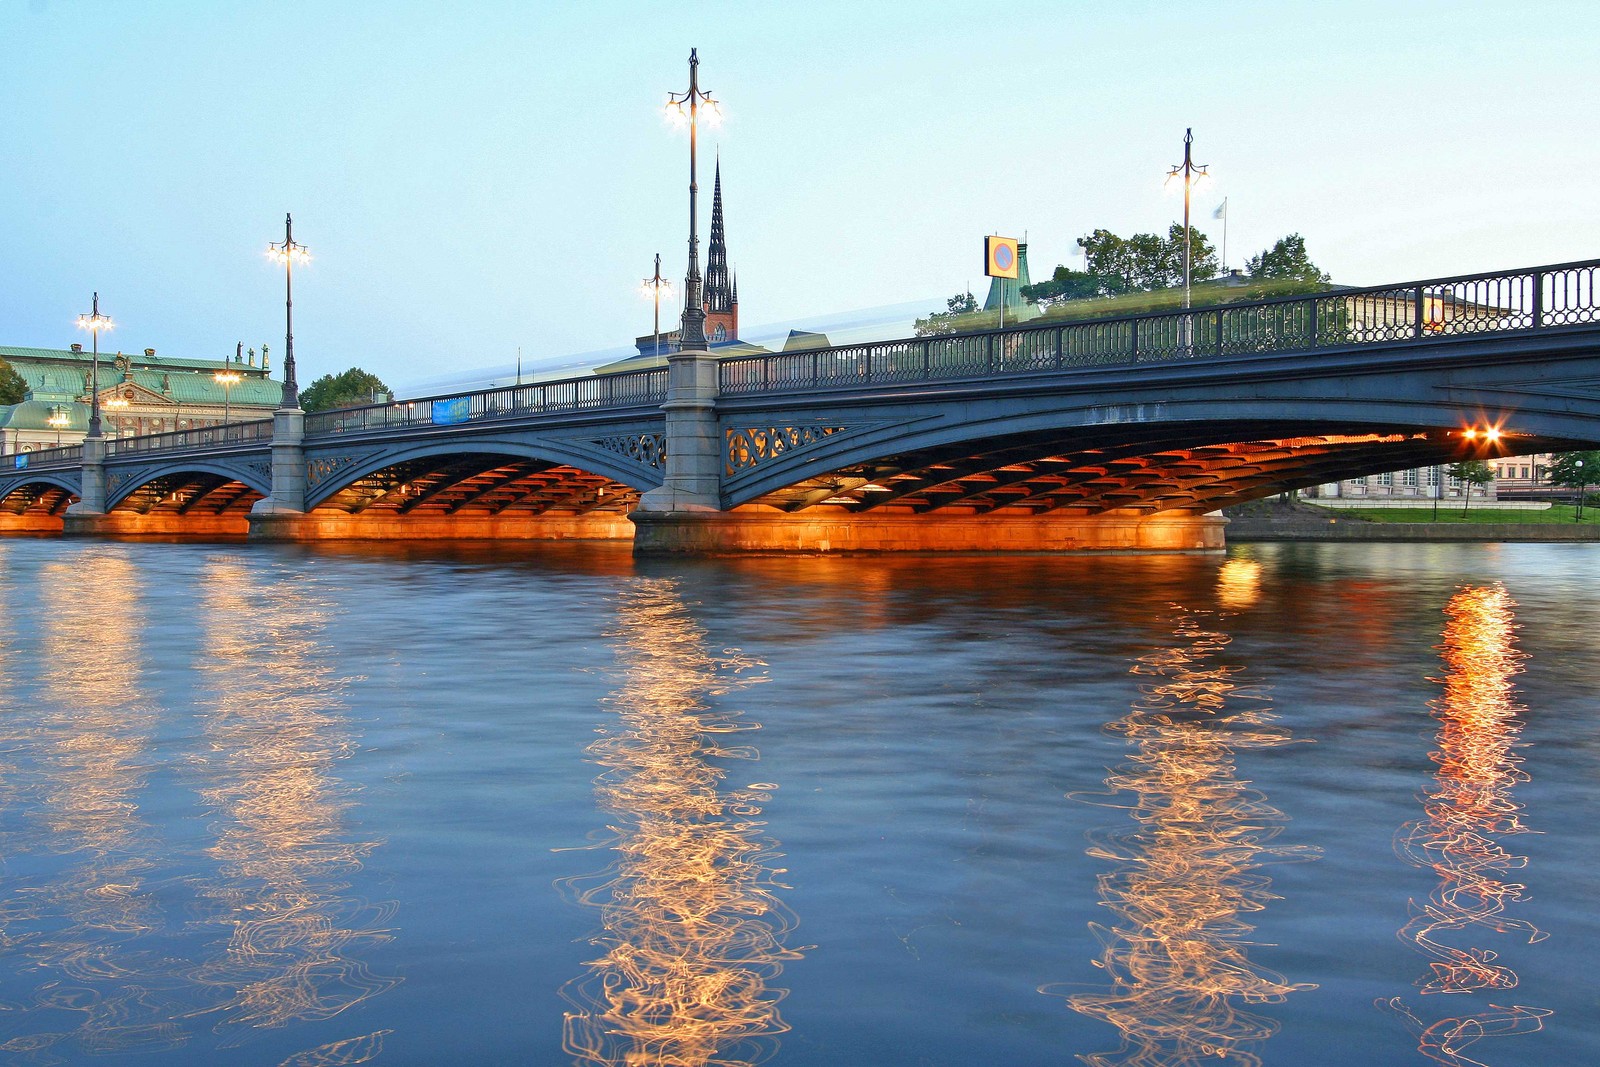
x,y
1000,258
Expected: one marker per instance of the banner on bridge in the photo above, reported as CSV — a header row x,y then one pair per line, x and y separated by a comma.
x,y
449,412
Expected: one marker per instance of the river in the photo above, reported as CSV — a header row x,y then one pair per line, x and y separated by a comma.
x,y
417,805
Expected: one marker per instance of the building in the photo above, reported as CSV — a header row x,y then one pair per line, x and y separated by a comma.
x,y
720,297
142,394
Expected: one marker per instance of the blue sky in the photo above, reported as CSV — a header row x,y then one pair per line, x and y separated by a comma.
x,y
475,177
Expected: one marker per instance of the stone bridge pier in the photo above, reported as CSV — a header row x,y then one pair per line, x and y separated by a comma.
x,y
687,514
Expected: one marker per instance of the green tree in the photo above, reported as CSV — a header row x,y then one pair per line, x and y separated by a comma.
x,y
1575,470
1285,269
1470,472
348,390
1065,284
961,311
13,386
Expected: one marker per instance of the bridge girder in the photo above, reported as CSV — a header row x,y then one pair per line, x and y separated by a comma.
x,y
354,476
38,495
1302,423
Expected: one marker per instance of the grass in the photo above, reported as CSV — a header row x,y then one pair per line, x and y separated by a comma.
x,y
1556,514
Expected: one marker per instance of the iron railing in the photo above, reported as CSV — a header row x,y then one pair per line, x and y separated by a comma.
x,y
570,394
64,456
207,437
1535,298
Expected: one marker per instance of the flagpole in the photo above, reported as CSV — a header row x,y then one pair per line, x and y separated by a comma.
x,y
1224,235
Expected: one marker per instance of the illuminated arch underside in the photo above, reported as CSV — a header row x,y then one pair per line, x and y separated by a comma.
x,y
38,498
1128,468
481,484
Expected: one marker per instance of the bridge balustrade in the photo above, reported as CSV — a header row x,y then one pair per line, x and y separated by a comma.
x,y
538,398
200,437
1531,299
48,458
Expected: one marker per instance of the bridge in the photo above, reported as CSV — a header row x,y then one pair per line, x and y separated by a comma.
x,y
1107,432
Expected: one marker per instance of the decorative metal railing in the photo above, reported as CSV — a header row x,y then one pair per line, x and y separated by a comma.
x,y
67,456
570,394
1536,298
201,437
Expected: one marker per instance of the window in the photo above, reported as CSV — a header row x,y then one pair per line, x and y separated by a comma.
x,y
1410,478
1386,478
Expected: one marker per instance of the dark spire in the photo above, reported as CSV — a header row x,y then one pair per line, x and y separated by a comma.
x,y
719,291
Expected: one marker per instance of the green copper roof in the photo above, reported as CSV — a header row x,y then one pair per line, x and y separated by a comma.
x,y
61,375
36,414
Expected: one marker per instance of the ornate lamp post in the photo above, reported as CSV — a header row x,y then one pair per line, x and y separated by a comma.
x,y
287,252
94,322
694,311
58,419
654,289
228,379
1191,173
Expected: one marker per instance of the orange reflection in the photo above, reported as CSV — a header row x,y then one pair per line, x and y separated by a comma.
x,y
1239,583
275,737
692,927
1468,810
93,741
1190,868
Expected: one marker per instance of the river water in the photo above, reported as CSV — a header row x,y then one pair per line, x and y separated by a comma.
x,y
310,806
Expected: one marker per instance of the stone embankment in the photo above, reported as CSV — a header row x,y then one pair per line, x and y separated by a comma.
x,y
1276,520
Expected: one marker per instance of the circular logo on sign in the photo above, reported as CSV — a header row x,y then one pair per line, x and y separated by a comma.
x,y
1002,257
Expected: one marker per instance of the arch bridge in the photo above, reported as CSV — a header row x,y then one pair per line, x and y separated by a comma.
x,y
1116,432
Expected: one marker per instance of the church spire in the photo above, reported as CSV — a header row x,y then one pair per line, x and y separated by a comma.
x,y
719,291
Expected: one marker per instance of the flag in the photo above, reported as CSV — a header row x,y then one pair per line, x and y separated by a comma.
x,y
1000,259
1222,210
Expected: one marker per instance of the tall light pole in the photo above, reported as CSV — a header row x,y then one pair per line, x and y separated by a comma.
x,y
58,419
228,379
654,289
1190,172
286,253
693,334
94,322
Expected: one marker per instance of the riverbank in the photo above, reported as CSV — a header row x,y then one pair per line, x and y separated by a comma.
x,y
1299,521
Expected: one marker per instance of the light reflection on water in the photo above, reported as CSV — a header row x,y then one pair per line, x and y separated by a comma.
x,y
1190,870
267,775
213,762
109,991
692,928
1467,812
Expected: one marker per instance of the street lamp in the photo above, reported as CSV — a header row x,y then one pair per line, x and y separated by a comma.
x,y
1191,173
228,379
654,289
118,402
58,419
94,322
693,335
288,253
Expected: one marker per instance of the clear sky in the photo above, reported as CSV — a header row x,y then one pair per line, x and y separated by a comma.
x,y
473,177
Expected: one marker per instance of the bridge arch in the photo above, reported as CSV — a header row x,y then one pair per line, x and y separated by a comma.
x,y
1200,454
201,484
334,472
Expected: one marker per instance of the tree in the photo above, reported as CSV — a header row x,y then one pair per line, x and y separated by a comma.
x,y
960,308
1575,470
1285,268
13,386
1118,266
351,389
1470,472
1065,284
